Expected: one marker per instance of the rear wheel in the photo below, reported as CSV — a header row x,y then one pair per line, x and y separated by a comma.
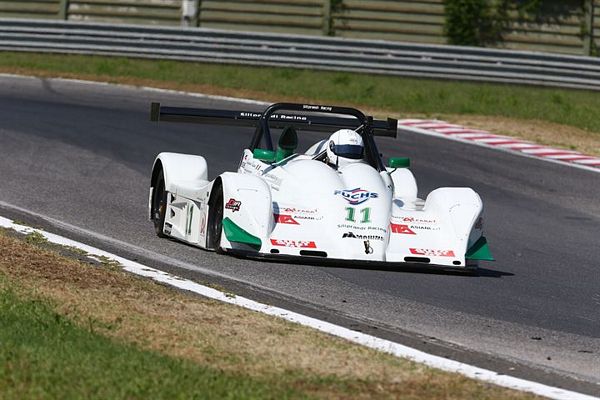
x,y
215,221
159,205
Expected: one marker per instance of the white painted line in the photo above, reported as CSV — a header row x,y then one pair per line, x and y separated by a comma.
x,y
520,145
549,150
500,139
588,162
409,121
339,331
459,129
449,128
471,136
567,156
542,150
434,125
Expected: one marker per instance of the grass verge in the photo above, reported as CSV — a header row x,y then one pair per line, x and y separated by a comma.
x,y
558,117
78,330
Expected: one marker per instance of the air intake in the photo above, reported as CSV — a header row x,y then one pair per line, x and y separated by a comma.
x,y
422,260
313,253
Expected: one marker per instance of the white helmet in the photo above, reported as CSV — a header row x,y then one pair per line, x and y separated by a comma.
x,y
345,147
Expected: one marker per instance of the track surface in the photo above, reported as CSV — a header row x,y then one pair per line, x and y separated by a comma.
x,y
82,154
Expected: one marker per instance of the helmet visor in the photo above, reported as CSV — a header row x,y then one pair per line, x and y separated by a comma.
x,y
351,151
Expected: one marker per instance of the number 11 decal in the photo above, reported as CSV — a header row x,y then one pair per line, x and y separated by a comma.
x,y
366,215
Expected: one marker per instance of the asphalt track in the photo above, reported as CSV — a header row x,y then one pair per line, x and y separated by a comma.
x,y
82,154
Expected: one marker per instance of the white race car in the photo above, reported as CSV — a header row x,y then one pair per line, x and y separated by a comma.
x,y
336,201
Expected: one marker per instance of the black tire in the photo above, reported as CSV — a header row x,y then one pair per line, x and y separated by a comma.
x,y
159,205
215,221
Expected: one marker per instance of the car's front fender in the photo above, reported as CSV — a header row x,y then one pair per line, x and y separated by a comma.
x,y
248,205
180,168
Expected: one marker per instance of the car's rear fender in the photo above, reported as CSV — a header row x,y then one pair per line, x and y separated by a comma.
x,y
247,205
180,170
462,207
440,232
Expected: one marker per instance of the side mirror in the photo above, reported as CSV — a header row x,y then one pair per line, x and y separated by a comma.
x,y
264,155
399,162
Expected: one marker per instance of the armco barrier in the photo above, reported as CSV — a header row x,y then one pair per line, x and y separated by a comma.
x,y
379,57
559,26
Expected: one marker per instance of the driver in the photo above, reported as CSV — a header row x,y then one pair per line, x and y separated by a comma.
x,y
344,147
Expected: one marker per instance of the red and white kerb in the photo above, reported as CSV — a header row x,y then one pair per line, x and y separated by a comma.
x,y
442,128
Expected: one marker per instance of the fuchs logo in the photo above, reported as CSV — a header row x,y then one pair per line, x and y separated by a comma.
x,y
356,196
233,205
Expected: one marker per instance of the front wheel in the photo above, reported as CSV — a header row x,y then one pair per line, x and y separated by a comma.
x,y
215,221
159,205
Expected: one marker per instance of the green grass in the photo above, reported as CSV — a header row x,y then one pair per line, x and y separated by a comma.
x,y
43,355
576,108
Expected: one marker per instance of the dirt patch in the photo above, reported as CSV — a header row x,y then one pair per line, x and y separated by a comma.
x,y
136,310
542,132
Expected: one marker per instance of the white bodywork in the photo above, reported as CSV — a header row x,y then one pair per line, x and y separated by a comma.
x,y
304,207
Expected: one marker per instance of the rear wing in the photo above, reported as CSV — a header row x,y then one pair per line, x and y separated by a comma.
x,y
305,121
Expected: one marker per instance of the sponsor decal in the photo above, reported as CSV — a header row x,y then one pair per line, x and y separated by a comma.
x,y
368,248
233,205
294,210
415,220
352,235
363,228
316,108
399,228
167,228
425,228
250,114
285,219
300,213
356,196
251,166
286,117
433,253
304,244
308,217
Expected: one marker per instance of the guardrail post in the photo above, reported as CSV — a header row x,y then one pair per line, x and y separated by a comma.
x,y
189,12
588,27
63,9
327,31
198,11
